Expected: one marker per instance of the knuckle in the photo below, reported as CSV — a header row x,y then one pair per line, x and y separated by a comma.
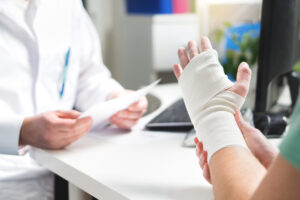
x,y
51,122
74,112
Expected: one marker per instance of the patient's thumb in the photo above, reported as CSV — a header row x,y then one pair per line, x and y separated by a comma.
x,y
243,79
244,126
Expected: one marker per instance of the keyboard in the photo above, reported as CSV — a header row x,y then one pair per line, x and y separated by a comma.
x,y
174,118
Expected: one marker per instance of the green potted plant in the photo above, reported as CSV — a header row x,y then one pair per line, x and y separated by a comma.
x,y
248,52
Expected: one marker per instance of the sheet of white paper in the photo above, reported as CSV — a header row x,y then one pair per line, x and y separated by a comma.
x,y
101,112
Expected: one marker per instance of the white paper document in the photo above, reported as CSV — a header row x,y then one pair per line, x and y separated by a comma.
x,y
101,112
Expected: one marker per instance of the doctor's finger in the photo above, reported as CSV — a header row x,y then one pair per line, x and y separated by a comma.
x,y
126,114
71,114
124,124
85,124
74,138
193,49
82,130
140,105
67,124
79,124
71,135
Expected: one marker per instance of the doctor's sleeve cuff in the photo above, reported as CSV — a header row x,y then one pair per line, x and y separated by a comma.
x,y
113,87
95,89
9,134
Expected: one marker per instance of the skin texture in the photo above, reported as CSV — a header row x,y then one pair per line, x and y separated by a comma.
x,y
58,129
234,172
281,182
54,130
258,144
126,119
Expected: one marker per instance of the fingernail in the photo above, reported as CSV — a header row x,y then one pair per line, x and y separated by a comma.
x,y
244,64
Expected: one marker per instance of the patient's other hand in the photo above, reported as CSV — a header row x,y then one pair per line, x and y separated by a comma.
x,y
258,144
126,119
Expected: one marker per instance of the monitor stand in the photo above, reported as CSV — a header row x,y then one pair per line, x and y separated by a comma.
x,y
294,85
273,124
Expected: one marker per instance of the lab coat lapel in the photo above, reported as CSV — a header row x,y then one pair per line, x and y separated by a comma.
x,y
13,17
53,28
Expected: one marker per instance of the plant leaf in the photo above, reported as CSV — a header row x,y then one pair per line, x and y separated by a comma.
x,y
297,67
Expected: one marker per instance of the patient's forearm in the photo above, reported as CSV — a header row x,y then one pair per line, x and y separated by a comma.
x,y
235,173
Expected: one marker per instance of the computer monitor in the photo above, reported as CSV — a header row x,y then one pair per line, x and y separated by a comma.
x,y
279,51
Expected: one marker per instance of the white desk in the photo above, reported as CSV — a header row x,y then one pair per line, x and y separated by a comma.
x,y
140,165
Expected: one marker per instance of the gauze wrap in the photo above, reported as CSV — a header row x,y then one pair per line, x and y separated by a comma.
x,y
211,108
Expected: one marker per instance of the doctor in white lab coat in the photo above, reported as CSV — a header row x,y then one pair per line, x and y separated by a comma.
x,y
35,37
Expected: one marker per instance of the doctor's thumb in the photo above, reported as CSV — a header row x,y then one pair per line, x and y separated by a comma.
x,y
68,114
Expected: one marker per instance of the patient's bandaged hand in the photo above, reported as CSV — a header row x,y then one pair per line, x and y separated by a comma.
x,y
210,106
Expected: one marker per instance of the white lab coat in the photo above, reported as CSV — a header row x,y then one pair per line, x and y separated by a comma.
x,y
34,39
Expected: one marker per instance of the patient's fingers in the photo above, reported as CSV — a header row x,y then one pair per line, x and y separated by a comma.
x,y
206,173
183,57
205,44
193,49
203,159
177,70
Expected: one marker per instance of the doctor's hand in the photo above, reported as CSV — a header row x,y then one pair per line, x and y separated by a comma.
x,y
54,130
126,119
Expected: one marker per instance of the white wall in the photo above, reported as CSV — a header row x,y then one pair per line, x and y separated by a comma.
x,y
107,15
101,12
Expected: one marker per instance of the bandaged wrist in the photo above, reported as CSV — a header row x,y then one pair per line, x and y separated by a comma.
x,y
210,106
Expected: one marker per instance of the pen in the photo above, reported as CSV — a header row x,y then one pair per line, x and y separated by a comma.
x,y
61,93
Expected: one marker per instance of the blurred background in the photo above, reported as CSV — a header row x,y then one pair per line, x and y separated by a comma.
x,y
140,39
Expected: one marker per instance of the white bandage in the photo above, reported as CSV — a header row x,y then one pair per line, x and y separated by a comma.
x,y
210,106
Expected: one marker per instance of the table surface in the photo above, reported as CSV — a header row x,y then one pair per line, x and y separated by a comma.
x,y
113,164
